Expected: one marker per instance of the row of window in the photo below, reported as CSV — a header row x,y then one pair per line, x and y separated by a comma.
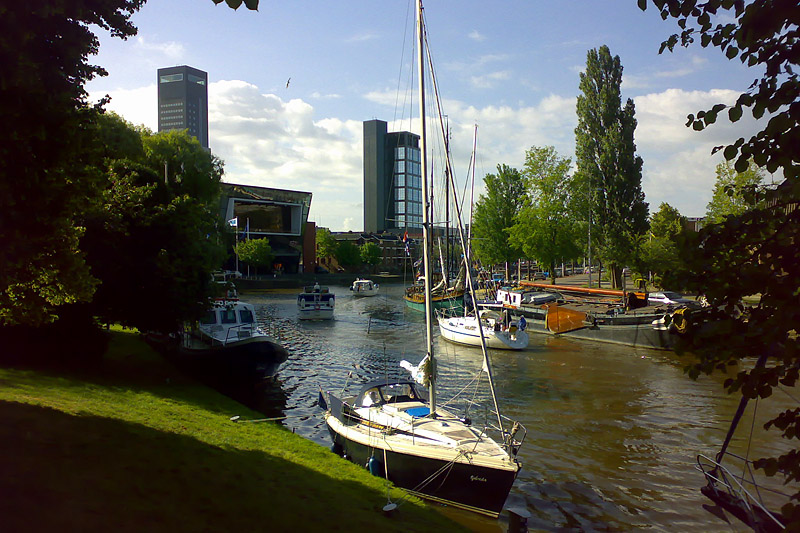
x,y
403,193
172,104
168,124
407,152
407,166
408,180
228,316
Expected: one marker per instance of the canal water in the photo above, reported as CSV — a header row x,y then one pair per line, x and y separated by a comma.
x,y
613,431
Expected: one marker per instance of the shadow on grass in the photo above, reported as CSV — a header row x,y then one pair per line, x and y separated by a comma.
x,y
86,473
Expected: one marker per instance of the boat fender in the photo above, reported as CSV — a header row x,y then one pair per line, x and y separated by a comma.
x,y
374,466
680,321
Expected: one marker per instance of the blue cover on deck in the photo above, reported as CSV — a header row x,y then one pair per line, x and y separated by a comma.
x,y
418,412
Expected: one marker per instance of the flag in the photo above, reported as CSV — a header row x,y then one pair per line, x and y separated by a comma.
x,y
405,241
234,222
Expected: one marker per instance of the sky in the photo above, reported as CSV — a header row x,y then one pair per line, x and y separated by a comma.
x,y
291,84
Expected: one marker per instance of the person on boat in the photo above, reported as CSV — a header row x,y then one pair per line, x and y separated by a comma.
x,y
316,286
522,323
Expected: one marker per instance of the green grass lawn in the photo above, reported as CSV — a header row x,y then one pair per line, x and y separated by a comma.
x,y
135,446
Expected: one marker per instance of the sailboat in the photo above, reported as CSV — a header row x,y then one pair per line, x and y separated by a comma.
x,y
397,428
495,329
731,484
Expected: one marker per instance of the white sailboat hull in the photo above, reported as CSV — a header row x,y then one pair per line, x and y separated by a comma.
x,y
464,330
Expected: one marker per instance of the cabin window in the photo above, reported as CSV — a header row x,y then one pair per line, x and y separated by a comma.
x,y
229,316
246,316
209,318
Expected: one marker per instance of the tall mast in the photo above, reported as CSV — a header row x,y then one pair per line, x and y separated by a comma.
x,y
425,207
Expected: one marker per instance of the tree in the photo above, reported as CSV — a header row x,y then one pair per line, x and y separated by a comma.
x,y
607,161
658,250
544,229
755,252
326,244
255,252
733,191
494,214
146,240
46,174
371,254
348,254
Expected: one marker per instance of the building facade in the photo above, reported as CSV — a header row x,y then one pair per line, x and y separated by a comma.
x,y
183,101
392,180
276,214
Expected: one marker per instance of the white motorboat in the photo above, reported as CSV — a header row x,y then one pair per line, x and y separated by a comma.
x,y
315,303
228,338
364,287
497,332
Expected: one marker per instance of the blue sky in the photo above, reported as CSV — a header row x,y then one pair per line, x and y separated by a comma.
x,y
511,67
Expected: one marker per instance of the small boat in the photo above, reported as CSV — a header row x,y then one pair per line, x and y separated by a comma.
x,y
228,338
498,333
315,303
364,287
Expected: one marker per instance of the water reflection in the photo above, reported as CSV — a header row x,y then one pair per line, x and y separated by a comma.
x,y
613,431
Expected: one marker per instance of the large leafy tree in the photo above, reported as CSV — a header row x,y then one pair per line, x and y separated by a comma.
x,y
544,228
733,191
371,254
326,244
606,159
148,240
348,254
658,250
47,174
255,252
756,252
494,214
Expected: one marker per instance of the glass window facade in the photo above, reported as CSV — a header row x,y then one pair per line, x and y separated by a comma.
x,y
408,187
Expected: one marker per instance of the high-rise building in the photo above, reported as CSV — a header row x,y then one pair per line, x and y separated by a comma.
x,y
392,179
183,101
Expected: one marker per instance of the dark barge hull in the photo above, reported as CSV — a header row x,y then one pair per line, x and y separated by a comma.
x,y
478,489
254,358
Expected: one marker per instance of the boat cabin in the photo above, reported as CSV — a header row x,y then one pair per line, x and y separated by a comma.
x,y
516,298
378,393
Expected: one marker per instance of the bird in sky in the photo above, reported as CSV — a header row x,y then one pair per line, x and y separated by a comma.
x,y
287,82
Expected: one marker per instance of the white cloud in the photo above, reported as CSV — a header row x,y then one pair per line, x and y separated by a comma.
x,y
170,50
475,35
490,80
138,106
361,37
678,165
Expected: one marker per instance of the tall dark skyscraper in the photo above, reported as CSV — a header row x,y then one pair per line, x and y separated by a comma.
x,y
392,179
183,101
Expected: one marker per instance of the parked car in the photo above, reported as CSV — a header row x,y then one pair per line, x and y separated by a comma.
x,y
669,298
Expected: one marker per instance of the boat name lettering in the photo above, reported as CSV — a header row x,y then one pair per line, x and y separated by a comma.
x,y
476,478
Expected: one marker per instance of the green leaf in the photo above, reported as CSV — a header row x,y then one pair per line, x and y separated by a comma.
x,y
251,4
234,3
735,113
643,5
731,52
730,152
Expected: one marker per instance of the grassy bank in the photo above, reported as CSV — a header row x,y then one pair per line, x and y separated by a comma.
x,y
134,446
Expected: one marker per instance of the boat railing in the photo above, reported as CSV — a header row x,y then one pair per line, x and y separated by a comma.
x,y
742,488
237,329
512,434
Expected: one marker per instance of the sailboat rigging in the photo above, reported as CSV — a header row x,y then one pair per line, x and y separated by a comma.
x,y
399,430
739,494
